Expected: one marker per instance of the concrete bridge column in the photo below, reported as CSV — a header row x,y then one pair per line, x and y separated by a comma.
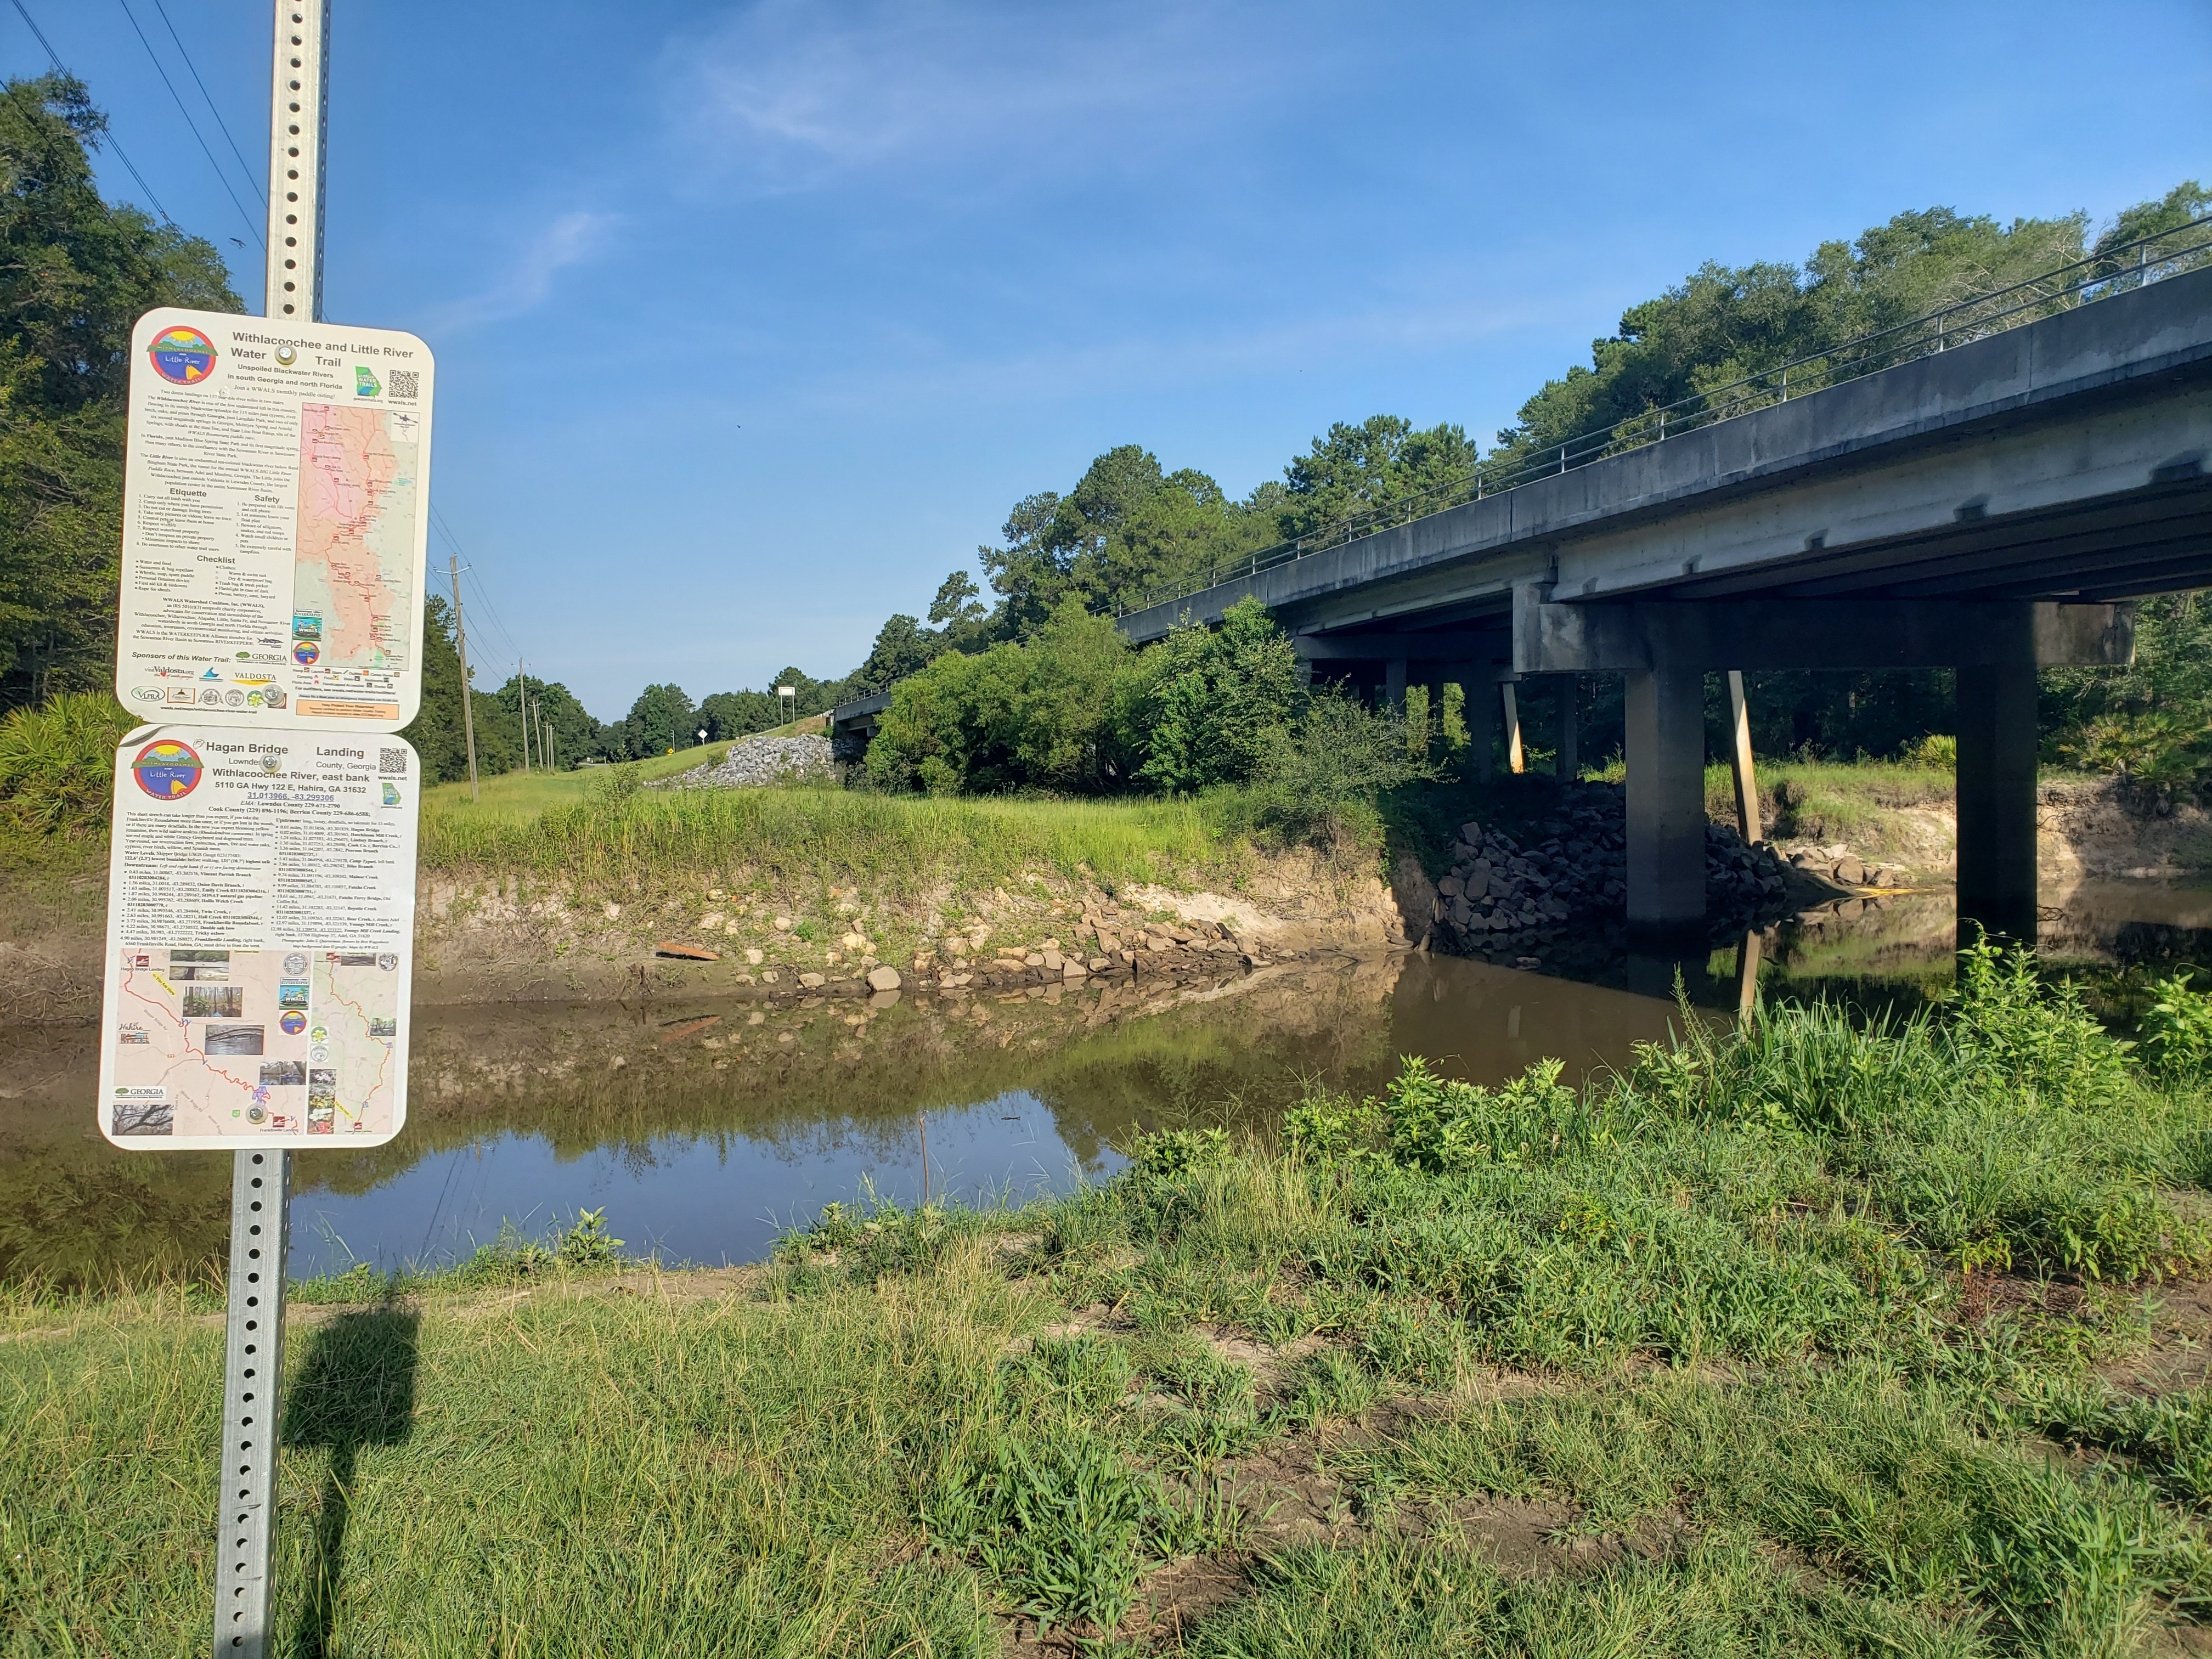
x,y
1473,679
1394,685
1665,751
1997,799
1570,763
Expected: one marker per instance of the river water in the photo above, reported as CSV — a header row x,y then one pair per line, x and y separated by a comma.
x,y
702,1128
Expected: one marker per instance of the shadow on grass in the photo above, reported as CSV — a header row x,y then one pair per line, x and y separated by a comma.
x,y
355,1388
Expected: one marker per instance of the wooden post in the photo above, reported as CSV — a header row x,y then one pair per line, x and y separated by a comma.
x,y
1515,760
1747,780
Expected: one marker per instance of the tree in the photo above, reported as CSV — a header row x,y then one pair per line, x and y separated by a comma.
x,y
436,732
902,646
662,718
1218,701
1046,713
75,274
1381,461
1722,324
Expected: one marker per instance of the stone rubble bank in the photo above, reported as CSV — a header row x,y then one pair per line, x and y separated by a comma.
x,y
1509,897
754,763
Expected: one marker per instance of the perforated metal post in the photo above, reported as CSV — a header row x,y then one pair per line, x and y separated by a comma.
x,y
299,83
252,1380
261,1178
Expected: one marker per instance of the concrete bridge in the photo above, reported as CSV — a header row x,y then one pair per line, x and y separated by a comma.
x,y
1990,508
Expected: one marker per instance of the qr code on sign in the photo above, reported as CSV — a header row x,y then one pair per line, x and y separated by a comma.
x,y
405,382
390,763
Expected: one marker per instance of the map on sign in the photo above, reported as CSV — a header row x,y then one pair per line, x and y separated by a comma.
x,y
353,590
276,522
260,926
214,1042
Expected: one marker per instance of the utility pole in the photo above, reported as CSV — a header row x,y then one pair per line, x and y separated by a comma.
x,y
522,700
261,1178
468,698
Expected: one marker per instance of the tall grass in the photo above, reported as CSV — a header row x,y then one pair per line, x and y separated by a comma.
x,y
1769,1397
897,844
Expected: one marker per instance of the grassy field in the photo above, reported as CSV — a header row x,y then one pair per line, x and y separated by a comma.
x,y
1812,1340
791,835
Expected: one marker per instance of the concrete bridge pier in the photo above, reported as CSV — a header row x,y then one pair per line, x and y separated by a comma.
x,y
1664,650
1997,801
1663,711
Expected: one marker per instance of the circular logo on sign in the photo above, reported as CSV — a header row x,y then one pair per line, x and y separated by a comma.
x,y
184,356
292,1023
305,653
166,770
295,963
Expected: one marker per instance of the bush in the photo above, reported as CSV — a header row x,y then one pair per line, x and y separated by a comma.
x,y
1218,702
57,763
2177,1029
1331,765
1048,714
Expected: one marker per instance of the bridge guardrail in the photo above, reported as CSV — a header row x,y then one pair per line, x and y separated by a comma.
x,y
2080,281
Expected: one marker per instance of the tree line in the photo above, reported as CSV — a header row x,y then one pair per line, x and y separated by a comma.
x,y
76,272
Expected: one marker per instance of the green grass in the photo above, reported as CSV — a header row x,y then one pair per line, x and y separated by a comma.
x,y
1824,800
526,796
1807,1339
783,837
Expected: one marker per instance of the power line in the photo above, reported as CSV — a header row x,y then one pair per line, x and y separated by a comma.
x,y
252,178
54,57
469,569
253,229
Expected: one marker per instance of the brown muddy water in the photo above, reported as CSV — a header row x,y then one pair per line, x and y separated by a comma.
x,y
703,1128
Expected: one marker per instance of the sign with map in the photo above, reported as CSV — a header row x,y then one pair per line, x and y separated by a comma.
x,y
260,929
276,521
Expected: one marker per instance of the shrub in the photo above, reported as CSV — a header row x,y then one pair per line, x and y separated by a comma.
x,y
57,763
2177,1029
1178,1152
1218,702
1336,760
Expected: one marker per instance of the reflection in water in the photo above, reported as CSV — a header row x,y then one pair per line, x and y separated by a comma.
x,y
704,1127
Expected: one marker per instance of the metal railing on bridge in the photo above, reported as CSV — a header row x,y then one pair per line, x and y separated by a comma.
x,y
2114,271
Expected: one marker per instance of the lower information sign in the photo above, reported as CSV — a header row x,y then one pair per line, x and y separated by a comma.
x,y
260,930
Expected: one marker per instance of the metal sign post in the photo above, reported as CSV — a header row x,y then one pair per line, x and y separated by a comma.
x,y
261,1181
252,1378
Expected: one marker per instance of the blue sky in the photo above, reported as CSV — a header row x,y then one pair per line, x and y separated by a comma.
x,y
752,320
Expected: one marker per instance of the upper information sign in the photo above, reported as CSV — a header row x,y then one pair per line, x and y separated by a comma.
x,y
276,521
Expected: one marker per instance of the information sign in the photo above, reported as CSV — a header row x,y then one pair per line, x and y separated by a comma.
x,y
260,936
276,521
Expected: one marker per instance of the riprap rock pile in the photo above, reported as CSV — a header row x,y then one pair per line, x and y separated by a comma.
x,y
754,761
1509,896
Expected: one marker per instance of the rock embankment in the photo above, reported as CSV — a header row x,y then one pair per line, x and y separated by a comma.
x,y
1509,896
1111,940
755,762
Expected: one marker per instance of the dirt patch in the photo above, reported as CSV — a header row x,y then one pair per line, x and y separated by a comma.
x,y
2180,1352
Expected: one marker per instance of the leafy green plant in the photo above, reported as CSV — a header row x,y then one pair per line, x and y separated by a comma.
x,y
1938,751
588,1244
1327,1125
1178,1152
57,763
2176,1029
1440,1124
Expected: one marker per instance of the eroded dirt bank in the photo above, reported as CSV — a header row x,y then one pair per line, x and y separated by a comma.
x,y
486,936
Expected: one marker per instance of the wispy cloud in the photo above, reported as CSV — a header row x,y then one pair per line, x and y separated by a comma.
x,y
792,94
526,280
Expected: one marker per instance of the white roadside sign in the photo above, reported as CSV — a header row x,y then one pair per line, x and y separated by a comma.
x,y
276,521
260,939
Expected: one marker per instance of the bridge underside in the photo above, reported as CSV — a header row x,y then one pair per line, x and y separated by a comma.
x,y
1988,511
